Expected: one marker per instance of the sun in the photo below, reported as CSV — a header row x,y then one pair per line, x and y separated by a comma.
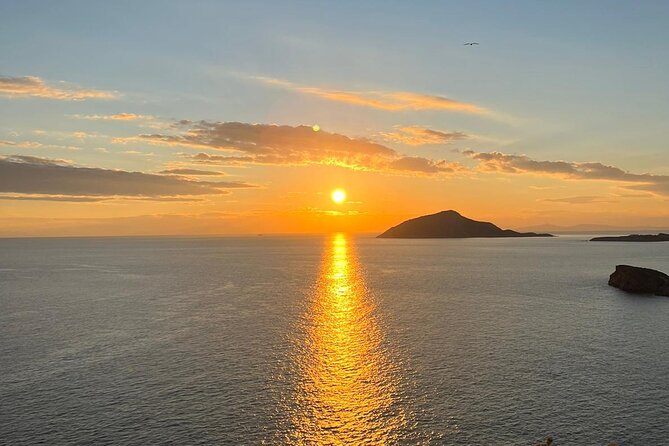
x,y
338,196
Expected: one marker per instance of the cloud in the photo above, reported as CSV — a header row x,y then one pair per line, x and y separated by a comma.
x,y
286,145
33,86
420,164
417,136
521,164
241,144
147,121
22,144
47,197
328,212
190,172
34,145
587,199
33,175
86,199
634,195
167,199
137,153
219,160
382,100
115,117
35,160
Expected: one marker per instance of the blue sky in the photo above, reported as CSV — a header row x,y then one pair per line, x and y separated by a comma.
x,y
580,81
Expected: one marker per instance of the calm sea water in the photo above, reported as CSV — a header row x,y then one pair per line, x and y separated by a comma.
x,y
329,340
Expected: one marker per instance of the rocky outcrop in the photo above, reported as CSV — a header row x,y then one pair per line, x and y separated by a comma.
x,y
450,224
640,280
661,237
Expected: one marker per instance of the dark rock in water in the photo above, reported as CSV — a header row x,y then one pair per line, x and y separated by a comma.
x,y
450,224
640,280
661,237
548,442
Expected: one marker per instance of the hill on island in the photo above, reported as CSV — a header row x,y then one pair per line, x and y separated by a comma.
x,y
450,224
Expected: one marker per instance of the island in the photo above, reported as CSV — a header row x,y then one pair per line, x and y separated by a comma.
x,y
661,237
634,279
450,224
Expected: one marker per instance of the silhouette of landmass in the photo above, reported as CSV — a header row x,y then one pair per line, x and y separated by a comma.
x,y
450,224
661,237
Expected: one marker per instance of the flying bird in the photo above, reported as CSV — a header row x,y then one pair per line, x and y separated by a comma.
x,y
471,43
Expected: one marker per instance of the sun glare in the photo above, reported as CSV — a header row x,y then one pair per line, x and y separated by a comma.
x,y
338,196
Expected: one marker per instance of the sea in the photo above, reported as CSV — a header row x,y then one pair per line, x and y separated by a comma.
x,y
329,340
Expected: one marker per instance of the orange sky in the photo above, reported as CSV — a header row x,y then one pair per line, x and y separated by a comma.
x,y
246,132
297,199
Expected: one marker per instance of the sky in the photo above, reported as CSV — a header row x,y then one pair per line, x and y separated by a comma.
x,y
215,117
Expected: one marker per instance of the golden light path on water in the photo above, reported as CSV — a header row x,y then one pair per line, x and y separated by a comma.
x,y
347,388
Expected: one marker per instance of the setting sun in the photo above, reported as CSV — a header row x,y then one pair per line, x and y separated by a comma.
x,y
338,196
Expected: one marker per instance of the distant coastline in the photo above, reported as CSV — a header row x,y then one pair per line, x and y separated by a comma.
x,y
592,229
661,237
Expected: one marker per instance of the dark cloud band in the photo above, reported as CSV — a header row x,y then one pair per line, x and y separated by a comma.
x,y
33,175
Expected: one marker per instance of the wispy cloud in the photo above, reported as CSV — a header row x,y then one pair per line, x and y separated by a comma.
x,y
219,160
59,140
138,153
114,117
34,175
35,160
423,165
584,199
191,172
33,86
522,164
418,136
382,100
22,144
50,197
286,145
147,121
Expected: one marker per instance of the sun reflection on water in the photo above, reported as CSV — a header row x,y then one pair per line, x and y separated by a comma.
x,y
346,393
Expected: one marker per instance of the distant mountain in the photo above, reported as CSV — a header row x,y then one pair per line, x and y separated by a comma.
x,y
450,224
661,237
